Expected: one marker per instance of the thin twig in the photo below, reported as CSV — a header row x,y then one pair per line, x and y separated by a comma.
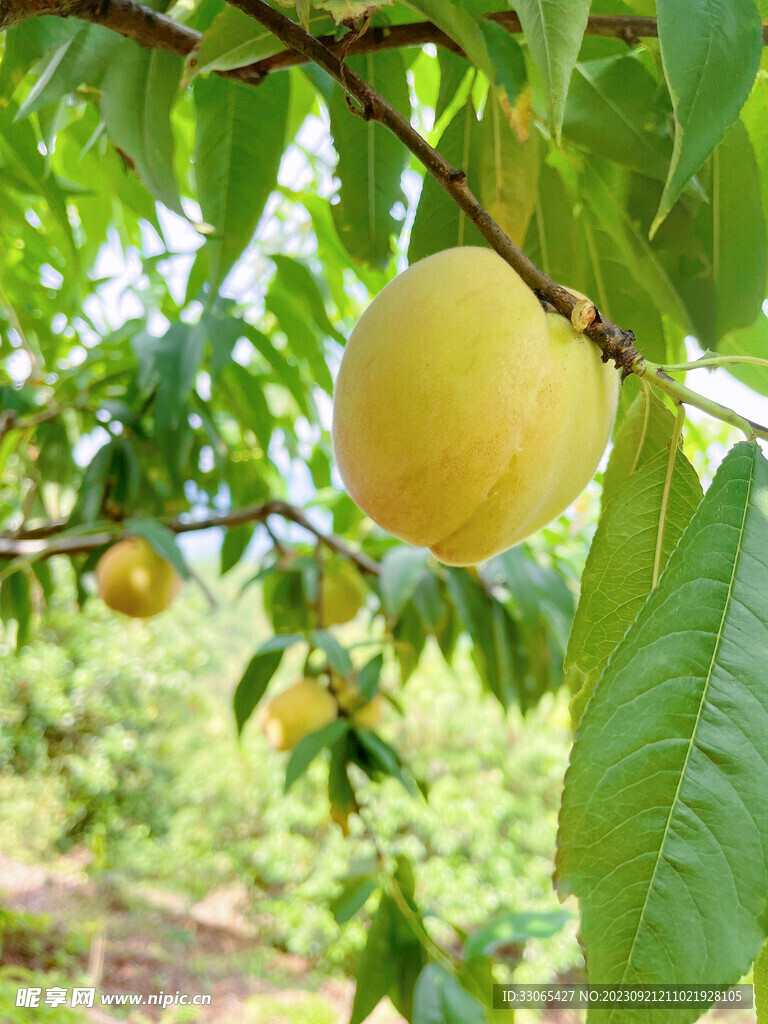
x,y
36,544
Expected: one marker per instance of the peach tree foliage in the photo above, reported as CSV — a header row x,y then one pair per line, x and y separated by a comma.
x,y
189,230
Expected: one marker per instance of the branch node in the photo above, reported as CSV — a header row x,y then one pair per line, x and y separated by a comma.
x,y
457,176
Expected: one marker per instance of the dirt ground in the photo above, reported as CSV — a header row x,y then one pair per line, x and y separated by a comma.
x,y
160,943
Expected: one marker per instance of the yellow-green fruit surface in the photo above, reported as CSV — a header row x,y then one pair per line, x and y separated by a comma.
x,y
343,593
303,708
465,418
135,580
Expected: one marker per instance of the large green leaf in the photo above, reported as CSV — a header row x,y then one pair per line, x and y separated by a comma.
x,y
666,798
618,574
238,146
439,223
710,50
617,109
137,94
371,162
554,30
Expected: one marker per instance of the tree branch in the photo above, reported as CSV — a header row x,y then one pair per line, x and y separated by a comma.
x,y
396,37
35,544
615,343
141,24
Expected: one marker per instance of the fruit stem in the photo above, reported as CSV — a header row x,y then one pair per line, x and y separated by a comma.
x,y
656,375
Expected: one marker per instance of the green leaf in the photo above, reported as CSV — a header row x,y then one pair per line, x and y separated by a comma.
x,y
239,141
670,765
368,679
554,242
761,986
383,758
439,999
493,634
255,679
609,208
308,747
234,39
618,574
752,341
645,431
401,568
510,76
509,171
83,58
429,601
338,658
162,540
393,957
297,278
554,30
617,111
408,633
371,162
137,93
738,228
704,44
514,928
355,893
234,545
439,223
376,970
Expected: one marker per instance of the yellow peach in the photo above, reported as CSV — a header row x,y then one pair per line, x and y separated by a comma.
x,y
465,417
135,580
